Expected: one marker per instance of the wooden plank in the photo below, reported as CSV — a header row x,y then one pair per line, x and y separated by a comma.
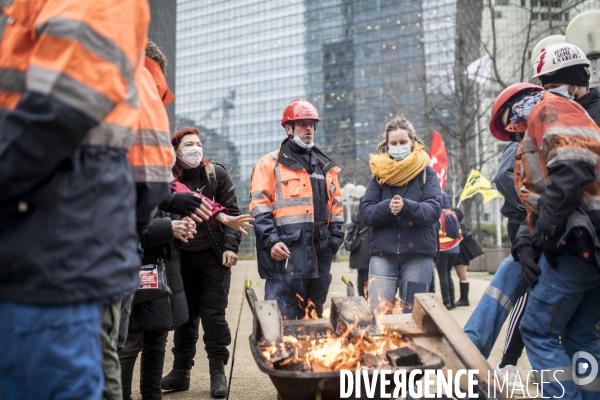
x,y
429,310
406,325
351,311
267,321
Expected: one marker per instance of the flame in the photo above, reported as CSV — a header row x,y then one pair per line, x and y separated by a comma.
x,y
327,313
310,311
330,353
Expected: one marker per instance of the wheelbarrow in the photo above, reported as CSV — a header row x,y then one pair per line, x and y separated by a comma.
x,y
434,335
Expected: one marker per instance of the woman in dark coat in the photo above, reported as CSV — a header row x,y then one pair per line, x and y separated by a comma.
x,y
462,261
151,321
401,204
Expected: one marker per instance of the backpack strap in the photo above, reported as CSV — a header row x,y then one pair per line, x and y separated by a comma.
x,y
212,178
422,179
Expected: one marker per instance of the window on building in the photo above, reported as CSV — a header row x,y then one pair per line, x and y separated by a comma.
x,y
501,2
498,14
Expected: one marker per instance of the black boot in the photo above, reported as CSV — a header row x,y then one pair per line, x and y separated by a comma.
x,y
464,295
151,369
218,380
177,380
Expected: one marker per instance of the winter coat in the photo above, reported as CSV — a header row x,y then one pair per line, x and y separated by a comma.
x,y
167,313
221,237
504,180
412,231
282,203
591,102
68,114
463,258
359,258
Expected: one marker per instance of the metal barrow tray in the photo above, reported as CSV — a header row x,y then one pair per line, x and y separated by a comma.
x,y
292,385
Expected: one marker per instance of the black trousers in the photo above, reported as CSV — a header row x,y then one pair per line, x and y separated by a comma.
x,y
206,283
444,268
361,280
513,345
152,345
285,288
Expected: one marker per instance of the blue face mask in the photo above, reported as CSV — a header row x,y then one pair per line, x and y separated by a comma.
x,y
400,152
562,91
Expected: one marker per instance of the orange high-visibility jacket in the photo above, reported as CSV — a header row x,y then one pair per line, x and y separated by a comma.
x,y
281,200
68,114
447,243
150,155
557,163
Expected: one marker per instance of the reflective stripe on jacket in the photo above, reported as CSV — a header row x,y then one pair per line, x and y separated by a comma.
x,y
447,243
70,104
558,162
281,201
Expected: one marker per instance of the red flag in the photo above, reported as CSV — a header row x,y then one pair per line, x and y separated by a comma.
x,y
439,158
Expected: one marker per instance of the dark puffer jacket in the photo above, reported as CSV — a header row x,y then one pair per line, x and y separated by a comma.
x,y
221,237
167,313
591,102
411,232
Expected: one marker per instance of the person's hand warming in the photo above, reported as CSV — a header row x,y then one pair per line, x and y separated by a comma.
x,y
183,229
238,223
396,204
184,204
202,213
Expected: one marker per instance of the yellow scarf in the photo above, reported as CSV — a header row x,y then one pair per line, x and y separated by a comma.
x,y
399,173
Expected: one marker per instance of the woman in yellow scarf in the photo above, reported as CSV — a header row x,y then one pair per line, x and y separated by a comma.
x,y
402,203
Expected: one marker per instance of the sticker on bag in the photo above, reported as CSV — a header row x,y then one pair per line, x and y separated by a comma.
x,y
149,277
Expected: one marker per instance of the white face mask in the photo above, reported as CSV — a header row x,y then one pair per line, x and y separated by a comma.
x,y
562,91
400,152
191,155
300,143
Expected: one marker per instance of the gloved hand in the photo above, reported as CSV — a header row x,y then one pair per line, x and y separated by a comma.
x,y
528,259
547,241
184,204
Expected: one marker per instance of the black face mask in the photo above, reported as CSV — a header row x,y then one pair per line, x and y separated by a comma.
x,y
515,136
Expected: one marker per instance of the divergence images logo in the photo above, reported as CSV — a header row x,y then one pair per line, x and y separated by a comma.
x,y
583,367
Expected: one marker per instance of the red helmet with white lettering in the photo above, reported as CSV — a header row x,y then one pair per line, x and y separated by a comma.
x,y
496,126
299,109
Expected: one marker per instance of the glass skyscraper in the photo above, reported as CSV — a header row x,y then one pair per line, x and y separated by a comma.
x,y
239,63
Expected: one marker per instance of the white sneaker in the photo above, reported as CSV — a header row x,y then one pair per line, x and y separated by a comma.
x,y
510,375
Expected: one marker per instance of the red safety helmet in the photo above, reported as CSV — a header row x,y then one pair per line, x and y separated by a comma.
x,y
496,126
299,109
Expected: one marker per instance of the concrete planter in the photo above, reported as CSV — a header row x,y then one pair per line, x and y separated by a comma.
x,y
489,260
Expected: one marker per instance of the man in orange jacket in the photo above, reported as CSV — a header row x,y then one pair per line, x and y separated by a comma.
x,y
296,201
68,114
555,177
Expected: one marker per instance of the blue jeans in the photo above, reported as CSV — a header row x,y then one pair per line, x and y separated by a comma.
x,y
50,351
506,287
565,302
387,274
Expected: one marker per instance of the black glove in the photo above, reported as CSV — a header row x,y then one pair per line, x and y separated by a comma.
x,y
184,204
528,259
548,242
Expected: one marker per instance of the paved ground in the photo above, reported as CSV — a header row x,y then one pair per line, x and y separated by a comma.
x,y
246,380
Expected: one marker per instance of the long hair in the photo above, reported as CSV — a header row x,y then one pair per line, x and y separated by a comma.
x,y
398,122
176,139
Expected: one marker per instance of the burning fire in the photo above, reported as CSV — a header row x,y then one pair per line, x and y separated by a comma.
x,y
333,353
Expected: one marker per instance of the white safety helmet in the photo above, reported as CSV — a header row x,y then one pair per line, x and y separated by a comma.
x,y
558,56
542,44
